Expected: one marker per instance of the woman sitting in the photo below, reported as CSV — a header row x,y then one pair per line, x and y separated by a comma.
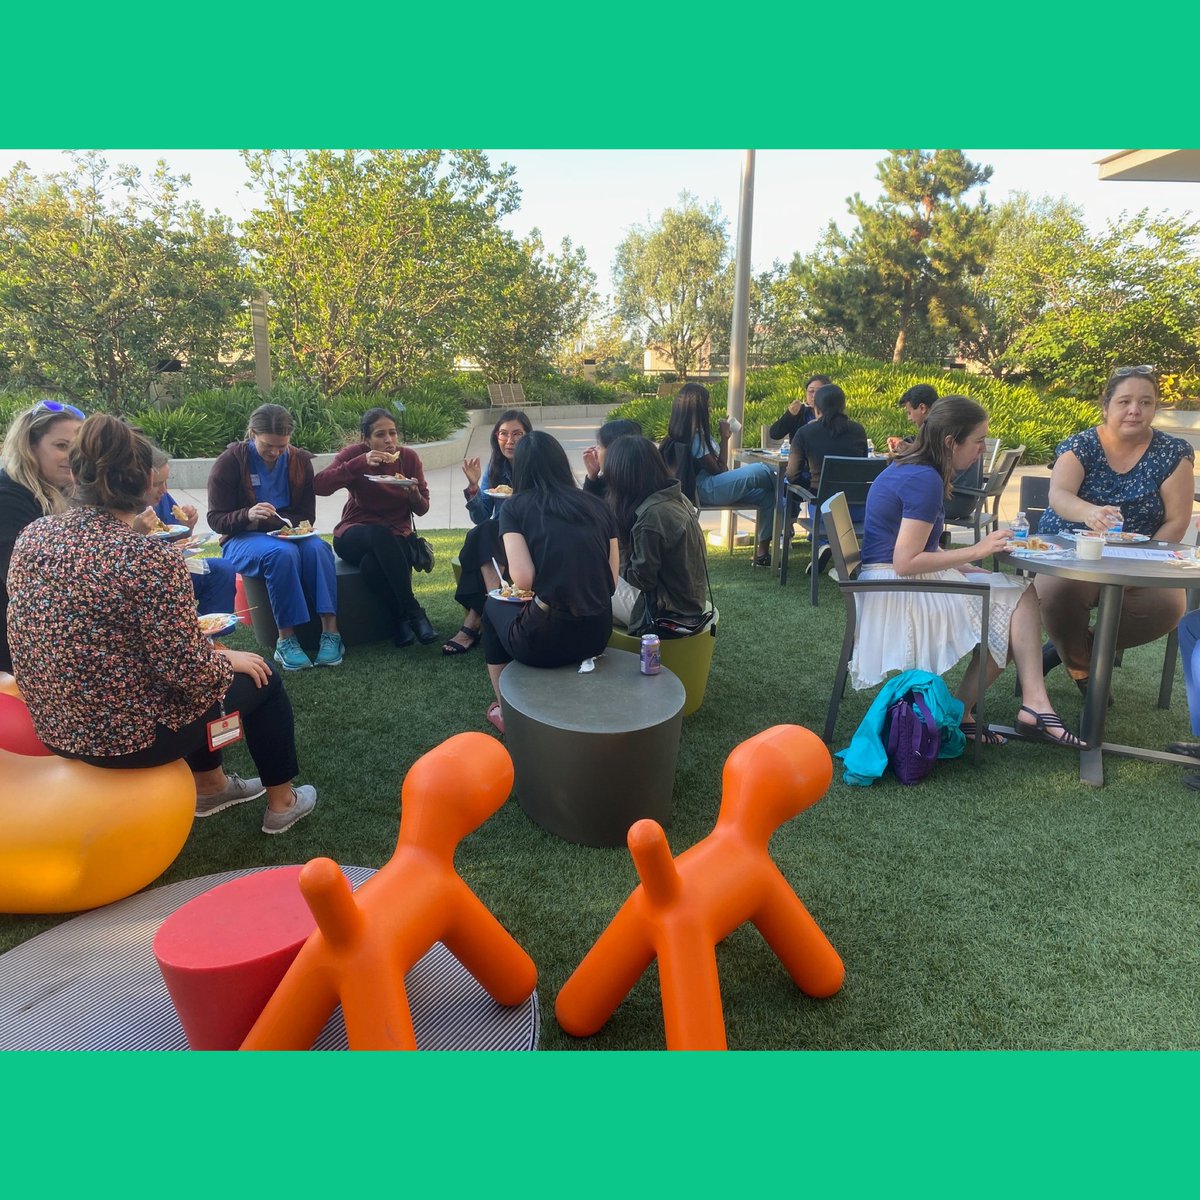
x,y
109,653
594,481
256,488
1120,472
34,481
561,547
663,572
900,631
482,544
375,533
699,465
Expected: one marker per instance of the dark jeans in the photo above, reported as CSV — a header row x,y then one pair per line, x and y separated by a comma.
x,y
482,544
385,560
266,724
537,638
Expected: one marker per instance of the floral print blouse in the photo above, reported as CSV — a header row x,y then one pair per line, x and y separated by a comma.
x,y
1137,493
105,641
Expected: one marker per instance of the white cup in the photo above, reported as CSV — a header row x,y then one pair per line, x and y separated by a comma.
x,y
735,426
1089,545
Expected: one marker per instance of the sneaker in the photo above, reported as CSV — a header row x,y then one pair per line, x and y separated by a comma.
x,y
236,791
304,800
289,655
332,650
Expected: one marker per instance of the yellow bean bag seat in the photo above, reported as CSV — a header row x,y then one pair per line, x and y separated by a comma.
x,y
690,658
74,837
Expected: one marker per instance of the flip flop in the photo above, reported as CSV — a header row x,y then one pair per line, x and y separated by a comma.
x,y
989,737
451,648
1043,723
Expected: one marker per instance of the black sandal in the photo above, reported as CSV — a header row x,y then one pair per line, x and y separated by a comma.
x,y
989,737
1042,723
451,648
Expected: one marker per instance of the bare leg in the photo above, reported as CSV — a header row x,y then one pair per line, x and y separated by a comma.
x,y
967,685
209,783
329,623
494,670
279,797
289,631
1025,640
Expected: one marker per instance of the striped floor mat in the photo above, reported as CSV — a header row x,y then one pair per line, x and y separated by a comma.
x,y
92,983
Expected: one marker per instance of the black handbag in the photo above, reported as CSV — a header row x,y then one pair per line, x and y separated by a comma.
x,y
670,627
420,550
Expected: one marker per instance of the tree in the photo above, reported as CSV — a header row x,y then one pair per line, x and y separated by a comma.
x,y
373,258
902,274
526,302
674,280
104,275
601,339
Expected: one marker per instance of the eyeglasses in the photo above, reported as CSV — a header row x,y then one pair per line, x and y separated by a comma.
x,y
54,407
1125,372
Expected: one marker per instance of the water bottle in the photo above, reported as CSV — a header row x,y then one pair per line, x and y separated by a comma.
x,y
785,448
1117,525
1020,527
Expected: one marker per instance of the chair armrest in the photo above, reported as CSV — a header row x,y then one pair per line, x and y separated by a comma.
x,y
915,585
801,493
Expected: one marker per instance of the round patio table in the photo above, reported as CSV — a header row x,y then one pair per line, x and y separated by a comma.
x,y
1114,573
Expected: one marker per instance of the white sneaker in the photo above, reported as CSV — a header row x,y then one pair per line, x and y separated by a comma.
x,y
236,791
304,800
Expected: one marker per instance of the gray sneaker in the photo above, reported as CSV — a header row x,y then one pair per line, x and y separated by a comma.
x,y
236,791
304,800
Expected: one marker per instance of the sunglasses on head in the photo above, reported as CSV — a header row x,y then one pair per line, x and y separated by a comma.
x,y
55,407
1125,372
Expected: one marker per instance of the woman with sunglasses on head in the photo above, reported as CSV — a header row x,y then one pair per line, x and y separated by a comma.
x,y
561,545
699,465
255,489
109,653
482,545
34,479
1120,475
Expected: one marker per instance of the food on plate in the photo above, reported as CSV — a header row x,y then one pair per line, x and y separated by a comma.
x,y
510,591
179,514
300,530
501,489
212,622
158,526
1126,537
1029,543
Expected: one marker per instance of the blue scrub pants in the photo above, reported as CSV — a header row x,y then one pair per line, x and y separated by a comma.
x,y
292,571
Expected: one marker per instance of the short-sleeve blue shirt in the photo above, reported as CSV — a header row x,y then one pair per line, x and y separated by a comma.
x,y
902,490
1138,493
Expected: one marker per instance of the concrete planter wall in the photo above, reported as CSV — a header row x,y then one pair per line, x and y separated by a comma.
x,y
192,473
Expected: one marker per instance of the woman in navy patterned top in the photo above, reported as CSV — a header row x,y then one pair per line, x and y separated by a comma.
x,y
1122,470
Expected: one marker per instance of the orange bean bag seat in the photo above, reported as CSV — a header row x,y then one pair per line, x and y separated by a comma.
x,y
74,836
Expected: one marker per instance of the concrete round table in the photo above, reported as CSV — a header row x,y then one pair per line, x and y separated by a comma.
x,y
593,753
1114,573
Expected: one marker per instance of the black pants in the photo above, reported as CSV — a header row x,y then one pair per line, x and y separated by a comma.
x,y
267,725
482,544
539,638
385,560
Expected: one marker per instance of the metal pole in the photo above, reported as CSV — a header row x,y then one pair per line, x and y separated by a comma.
x,y
739,332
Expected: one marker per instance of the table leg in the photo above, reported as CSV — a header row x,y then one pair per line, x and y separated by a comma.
x,y
780,523
1095,706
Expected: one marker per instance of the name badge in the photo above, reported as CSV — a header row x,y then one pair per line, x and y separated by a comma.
x,y
255,481
224,730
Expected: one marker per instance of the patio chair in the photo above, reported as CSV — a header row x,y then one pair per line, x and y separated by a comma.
x,y
508,395
847,559
986,518
852,477
1035,498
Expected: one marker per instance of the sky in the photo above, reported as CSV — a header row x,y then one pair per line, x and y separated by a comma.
x,y
595,196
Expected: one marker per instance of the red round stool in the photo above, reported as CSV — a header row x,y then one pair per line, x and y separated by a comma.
x,y
241,606
223,954
16,728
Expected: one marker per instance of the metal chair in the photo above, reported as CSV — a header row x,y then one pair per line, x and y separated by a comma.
x,y
1035,498
985,518
847,559
851,476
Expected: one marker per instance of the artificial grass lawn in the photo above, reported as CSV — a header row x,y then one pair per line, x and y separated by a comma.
x,y
1002,908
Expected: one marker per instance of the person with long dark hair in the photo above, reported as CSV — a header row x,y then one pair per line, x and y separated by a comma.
x,y
700,465
484,494
901,631
593,457
561,548
662,548
255,488
375,533
34,482
798,413
108,649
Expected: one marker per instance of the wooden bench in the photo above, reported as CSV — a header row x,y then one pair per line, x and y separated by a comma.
x,y
508,395
362,615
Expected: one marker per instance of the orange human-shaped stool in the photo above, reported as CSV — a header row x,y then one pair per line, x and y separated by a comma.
x,y
366,941
74,836
685,906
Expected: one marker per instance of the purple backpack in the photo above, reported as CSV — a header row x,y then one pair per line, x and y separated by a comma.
x,y
913,738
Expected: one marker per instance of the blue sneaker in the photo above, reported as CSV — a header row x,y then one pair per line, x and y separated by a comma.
x,y
289,655
332,650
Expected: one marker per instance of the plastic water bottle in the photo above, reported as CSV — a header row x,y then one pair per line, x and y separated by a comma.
x,y
1020,527
1117,525
785,448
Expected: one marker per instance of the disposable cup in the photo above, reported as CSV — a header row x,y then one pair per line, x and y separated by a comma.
x,y
1089,545
735,426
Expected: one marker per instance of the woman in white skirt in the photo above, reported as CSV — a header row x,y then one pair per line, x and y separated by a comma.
x,y
901,631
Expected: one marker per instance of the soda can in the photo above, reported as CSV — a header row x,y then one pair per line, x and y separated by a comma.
x,y
651,658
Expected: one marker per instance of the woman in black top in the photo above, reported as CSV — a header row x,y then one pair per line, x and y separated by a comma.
x,y
561,545
831,433
33,483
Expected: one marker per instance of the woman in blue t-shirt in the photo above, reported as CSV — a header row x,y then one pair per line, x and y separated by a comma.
x,y
900,631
